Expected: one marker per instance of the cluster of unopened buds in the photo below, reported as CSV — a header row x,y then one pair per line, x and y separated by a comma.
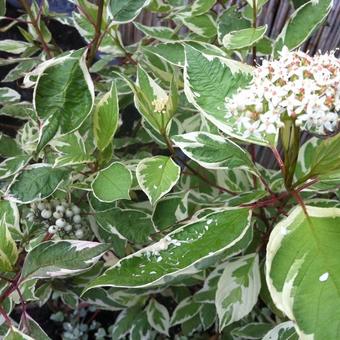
x,y
160,104
58,217
297,86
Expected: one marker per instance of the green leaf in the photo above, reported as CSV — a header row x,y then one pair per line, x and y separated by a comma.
x,y
183,250
243,38
34,328
283,331
8,95
63,258
156,176
173,52
124,322
2,7
8,248
203,76
253,330
8,146
202,6
127,10
36,183
303,22
158,317
12,165
238,289
71,150
9,215
20,70
231,20
326,158
15,334
13,46
302,270
105,118
63,96
160,33
203,25
184,311
213,151
207,315
112,183
134,225
148,94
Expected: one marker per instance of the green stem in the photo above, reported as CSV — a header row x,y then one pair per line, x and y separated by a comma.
x,y
254,26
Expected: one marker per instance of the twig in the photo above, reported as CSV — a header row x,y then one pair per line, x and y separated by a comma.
x,y
35,24
95,42
6,317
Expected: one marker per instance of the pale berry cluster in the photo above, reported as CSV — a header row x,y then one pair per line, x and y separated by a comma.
x,y
58,217
296,86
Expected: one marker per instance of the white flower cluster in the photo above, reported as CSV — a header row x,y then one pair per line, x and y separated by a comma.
x,y
296,86
58,217
160,104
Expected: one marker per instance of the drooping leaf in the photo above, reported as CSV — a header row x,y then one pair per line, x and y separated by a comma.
x,y
127,10
303,22
8,248
208,315
302,270
158,316
243,38
181,251
105,118
64,95
213,151
157,175
62,258
112,183
35,183
8,146
238,289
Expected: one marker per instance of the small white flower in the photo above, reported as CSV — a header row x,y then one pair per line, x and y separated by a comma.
x,y
160,104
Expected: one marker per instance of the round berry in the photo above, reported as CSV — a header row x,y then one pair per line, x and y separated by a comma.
x,y
57,215
79,233
46,213
78,226
41,206
60,208
75,209
76,219
68,213
68,227
52,229
60,223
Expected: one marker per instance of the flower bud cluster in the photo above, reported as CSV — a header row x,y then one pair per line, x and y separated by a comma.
x,y
297,86
58,217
